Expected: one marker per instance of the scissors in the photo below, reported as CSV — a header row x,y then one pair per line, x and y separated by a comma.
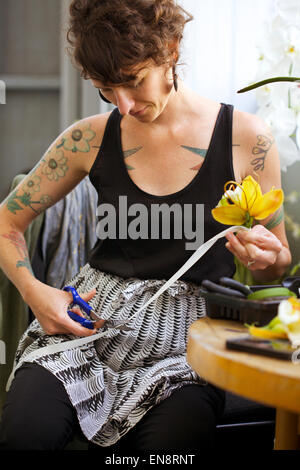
x,y
88,323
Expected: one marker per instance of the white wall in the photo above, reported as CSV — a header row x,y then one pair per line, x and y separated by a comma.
x,y
219,48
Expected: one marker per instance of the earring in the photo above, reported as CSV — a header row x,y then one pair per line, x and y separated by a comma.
x,y
103,97
175,77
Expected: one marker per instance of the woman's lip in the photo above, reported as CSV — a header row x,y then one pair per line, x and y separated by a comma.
x,y
138,112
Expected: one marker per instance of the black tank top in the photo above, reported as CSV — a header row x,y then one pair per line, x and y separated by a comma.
x,y
133,240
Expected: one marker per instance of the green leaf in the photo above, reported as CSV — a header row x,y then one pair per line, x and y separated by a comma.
x,y
12,204
294,269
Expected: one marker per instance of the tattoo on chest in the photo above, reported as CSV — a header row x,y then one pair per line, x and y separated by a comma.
x,y
195,150
128,153
263,145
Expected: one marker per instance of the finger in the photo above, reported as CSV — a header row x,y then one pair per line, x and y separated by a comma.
x,y
255,252
271,243
71,326
77,329
250,251
237,248
243,260
88,295
260,236
74,327
77,311
246,260
99,323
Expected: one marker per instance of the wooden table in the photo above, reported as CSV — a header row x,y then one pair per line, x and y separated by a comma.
x,y
273,382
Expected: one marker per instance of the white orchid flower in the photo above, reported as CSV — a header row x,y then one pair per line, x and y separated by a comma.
x,y
278,79
282,122
289,10
288,313
298,131
295,99
288,151
272,40
279,41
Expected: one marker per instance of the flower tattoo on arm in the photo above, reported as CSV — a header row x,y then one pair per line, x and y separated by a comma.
x,y
79,139
55,167
15,202
18,241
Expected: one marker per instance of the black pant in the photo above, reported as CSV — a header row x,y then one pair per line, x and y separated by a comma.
x,y
38,415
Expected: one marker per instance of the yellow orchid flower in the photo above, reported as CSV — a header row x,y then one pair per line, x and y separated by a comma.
x,y
244,202
285,325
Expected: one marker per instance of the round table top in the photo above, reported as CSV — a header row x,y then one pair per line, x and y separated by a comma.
x,y
271,381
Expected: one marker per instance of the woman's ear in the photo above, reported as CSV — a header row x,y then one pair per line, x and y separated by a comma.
x,y
174,50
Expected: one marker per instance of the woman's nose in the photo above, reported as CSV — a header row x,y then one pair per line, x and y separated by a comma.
x,y
124,101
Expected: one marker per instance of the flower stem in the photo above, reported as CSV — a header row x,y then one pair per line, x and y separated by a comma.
x,y
249,221
269,80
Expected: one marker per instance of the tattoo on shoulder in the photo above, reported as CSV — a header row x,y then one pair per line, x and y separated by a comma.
x,y
78,139
54,167
263,145
128,153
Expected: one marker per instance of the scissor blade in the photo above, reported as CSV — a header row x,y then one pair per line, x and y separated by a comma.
x,y
117,324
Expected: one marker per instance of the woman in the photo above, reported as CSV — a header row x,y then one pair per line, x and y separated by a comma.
x,y
135,387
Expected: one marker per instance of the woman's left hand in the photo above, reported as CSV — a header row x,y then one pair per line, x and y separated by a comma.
x,y
256,248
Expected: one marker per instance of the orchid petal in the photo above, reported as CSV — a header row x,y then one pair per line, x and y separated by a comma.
x,y
237,197
252,192
288,151
230,215
298,130
267,204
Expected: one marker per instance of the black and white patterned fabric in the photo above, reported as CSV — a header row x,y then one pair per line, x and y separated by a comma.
x,y
113,381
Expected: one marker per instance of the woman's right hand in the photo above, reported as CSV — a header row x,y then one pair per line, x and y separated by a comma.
x,y
50,305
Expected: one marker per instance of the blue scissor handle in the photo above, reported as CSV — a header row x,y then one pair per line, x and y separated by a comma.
x,y
77,300
83,321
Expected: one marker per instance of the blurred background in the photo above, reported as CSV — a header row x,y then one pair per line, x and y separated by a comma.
x,y
230,44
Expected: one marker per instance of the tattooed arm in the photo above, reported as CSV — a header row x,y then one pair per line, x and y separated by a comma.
x,y
65,163
266,244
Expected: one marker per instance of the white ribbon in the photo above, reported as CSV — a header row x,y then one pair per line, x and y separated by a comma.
x,y
59,347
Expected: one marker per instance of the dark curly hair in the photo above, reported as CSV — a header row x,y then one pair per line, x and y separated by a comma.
x,y
110,37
